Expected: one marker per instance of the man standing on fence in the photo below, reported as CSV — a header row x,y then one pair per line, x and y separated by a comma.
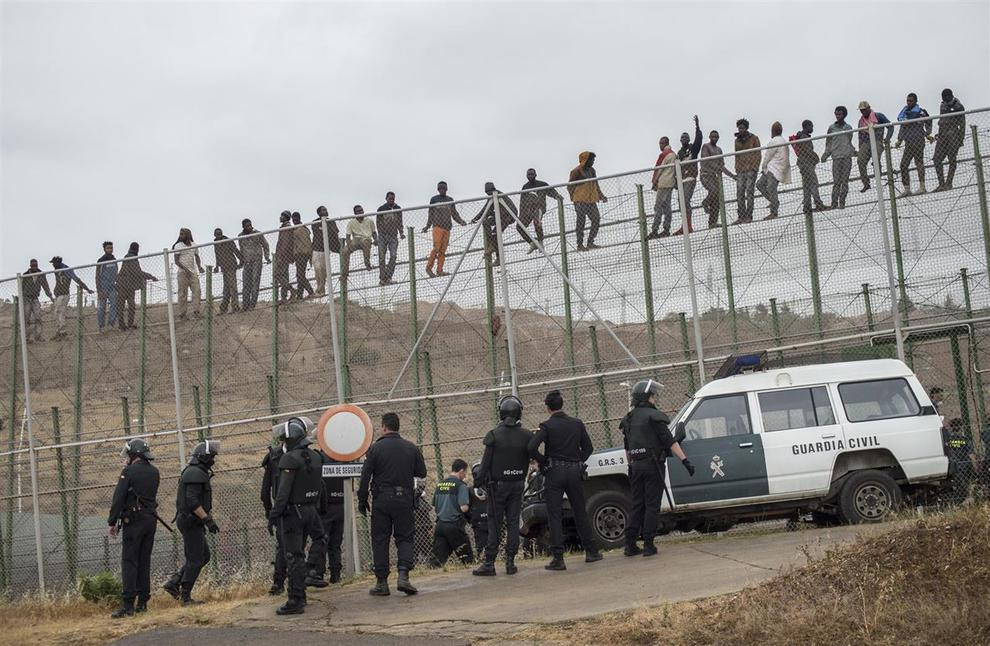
x,y
664,183
31,287
869,116
451,501
507,215
134,508
284,256
441,218
390,468
106,288
228,259
950,137
319,248
566,447
254,247
390,229
807,163
913,136
711,178
776,169
533,204
193,506
302,249
747,165
64,276
586,197
688,152
838,146
188,269
130,279
503,471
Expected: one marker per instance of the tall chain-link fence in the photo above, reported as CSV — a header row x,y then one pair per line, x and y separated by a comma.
x,y
433,311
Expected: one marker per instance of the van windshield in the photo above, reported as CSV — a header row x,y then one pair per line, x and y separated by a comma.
x,y
680,413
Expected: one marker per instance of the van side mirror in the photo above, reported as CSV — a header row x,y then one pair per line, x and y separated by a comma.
x,y
679,432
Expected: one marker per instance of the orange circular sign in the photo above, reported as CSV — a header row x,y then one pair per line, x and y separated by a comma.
x,y
344,432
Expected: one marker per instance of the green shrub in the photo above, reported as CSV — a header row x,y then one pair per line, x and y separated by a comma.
x,y
100,587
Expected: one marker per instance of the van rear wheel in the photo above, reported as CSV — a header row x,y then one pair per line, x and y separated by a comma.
x,y
868,497
608,513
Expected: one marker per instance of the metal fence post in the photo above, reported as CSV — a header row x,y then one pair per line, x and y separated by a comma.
x,y
686,349
870,324
334,340
775,326
981,186
68,539
568,314
275,340
8,528
176,385
600,383
895,227
414,327
699,345
143,350
727,263
432,407
882,213
208,368
32,456
644,252
503,270
981,406
816,289
490,336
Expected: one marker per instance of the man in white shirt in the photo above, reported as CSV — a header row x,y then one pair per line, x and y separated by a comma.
x,y
360,235
776,168
188,269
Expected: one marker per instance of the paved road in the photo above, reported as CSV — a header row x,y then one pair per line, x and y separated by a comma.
x,y
454,607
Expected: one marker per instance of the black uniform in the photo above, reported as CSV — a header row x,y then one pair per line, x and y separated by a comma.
x,y
194,491
269,490
647,440
567,447
479,517
134,503
299,493
388,472
332,519
503,471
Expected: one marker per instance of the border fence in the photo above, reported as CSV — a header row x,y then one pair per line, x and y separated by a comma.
x,y
578,307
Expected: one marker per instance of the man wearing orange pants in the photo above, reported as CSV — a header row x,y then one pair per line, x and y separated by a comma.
x,y
441,217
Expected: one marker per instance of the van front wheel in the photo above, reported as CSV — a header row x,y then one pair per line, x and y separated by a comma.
x,y
868,497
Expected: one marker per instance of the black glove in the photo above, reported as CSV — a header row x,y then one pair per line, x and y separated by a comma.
x,y
687,465
211,525
271,526
363,508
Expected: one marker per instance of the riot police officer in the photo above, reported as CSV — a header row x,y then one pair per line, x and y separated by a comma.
x,y
504,466
567,446
647,441
332,519
193,507
389,470
269,490
479,509
135,500
300,488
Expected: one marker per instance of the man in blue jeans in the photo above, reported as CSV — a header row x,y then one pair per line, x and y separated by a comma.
x,y
106,288
390,229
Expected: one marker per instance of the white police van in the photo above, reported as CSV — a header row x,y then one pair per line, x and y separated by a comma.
x,y
841,441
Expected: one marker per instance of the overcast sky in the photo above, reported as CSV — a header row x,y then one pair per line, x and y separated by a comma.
x,y
125,121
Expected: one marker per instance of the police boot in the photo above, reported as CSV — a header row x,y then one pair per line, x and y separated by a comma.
x,y
314,580
334,576
403,583
187,600
126,609
487,568
173,589
632,550
276,589
649,549
510,565
380,589
142,605
291,607
556,564
592,555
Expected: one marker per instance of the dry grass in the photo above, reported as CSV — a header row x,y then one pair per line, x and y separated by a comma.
x,y
74,622
927,582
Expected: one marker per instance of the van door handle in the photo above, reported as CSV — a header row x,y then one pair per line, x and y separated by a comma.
x,y
828,437
745,445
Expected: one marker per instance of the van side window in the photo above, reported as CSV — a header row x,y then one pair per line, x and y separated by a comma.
x,y
783,410
719,417
879,399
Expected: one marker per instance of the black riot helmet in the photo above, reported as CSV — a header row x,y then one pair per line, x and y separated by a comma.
x,y
206,452
643,390
136,446
296,432
510,410
479,487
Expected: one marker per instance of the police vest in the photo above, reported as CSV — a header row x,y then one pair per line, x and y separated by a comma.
x,y
510,453
193,475
332,487
641,427
271,463
308,481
